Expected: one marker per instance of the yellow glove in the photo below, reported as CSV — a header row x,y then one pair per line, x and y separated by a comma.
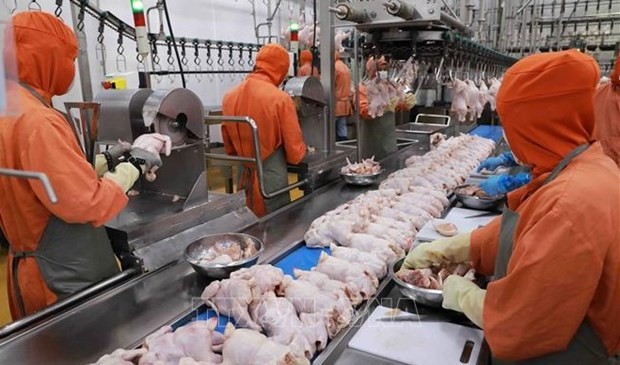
x,y
410,100
101,165
454,249
125,175
393,104
462,295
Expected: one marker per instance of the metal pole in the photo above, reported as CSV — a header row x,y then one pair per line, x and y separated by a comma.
x,y
328,78
83,63
356,81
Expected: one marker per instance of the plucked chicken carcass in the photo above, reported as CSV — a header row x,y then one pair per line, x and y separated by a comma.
x,y
197,340
248,347
474,103
121,357
459,99
279,320
334,307
363,258
326,284
157,144
340,37
493,89
232,297
342,270
268,278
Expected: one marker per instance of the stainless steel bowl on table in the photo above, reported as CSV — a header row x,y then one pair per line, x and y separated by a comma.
x,y
430,297
478,203
361,180
198,249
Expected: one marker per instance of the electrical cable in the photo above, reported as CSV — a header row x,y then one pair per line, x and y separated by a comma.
x,y
315,53
174,43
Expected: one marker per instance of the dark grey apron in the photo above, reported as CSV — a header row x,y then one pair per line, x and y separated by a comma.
x,y
379,136
586,348
70,256
275,178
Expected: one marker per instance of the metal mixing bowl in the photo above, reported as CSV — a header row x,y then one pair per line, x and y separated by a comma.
x,y
474,202
198,249
430,297
361,180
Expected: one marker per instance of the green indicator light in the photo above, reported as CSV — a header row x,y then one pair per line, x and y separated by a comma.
x,y
294,27
137,6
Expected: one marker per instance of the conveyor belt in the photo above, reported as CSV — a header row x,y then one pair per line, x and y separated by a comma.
x,y
125,315
489,131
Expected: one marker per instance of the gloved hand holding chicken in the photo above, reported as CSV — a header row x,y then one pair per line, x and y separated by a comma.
x,y
409,101
393,105
155,144
444,250
502,184
492,163
459,293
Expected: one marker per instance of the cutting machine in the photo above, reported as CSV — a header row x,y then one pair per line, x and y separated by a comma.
x,y
163,216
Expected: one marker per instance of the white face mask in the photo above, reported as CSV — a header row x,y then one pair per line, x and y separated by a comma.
x,y
513,154
383,75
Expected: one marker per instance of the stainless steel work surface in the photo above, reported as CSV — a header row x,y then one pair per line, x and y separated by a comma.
x,y
125,315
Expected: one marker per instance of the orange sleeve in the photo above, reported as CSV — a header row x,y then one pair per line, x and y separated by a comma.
x,y
51,148
526,314
484,244
363,102
292,138
228,144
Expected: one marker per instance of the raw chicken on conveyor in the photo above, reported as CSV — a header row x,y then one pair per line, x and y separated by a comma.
x,y
248,347
385,222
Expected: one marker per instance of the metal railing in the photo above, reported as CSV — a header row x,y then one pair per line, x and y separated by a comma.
x,y
256,161
49,190
64,304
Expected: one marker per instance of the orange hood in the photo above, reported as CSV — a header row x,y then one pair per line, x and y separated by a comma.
x,y
546,106
371,66
305,57
272,62
45,52
615,75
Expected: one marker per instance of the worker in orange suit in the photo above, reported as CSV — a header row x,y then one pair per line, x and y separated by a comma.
x,y
607,109
273,110
55,249
306,67
555,252
343,97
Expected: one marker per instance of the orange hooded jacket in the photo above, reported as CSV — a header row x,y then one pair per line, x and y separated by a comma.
x,y
273,111
40,139
343,88
306,68
607,109
565,265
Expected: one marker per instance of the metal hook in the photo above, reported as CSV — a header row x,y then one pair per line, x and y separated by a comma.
x,y
231,62
241,61
183,53
58,11
33,5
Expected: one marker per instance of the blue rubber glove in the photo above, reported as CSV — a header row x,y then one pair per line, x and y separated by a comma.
x,y
502,184
491,164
